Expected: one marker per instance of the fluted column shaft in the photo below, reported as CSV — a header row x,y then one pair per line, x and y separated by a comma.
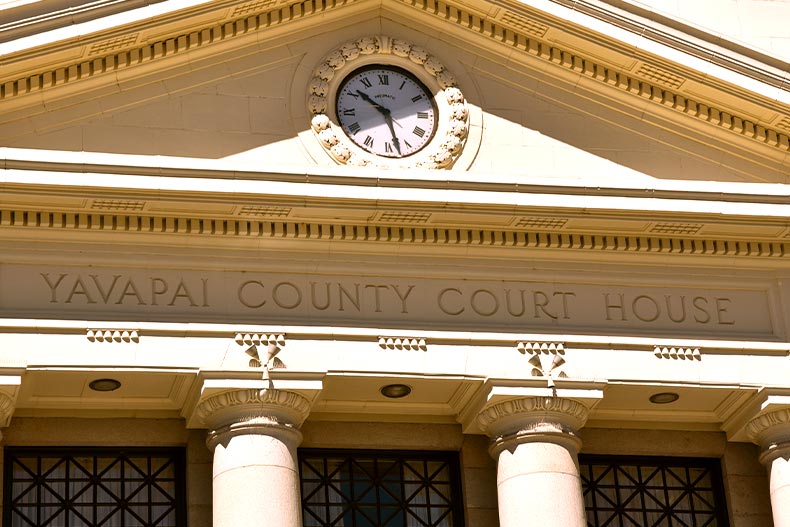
x,y
535,444
772,432
254,435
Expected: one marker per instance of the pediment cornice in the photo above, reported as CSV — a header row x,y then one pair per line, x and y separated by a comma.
x,y
741,105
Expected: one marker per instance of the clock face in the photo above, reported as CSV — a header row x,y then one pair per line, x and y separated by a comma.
x,y
386,111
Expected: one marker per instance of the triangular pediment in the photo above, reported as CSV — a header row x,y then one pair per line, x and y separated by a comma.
x,y
553,92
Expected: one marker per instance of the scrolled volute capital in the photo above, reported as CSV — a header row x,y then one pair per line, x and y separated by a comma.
x,y
771,431
551,419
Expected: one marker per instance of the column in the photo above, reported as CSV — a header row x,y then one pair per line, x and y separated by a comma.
x,y
535,443
254,434
772,432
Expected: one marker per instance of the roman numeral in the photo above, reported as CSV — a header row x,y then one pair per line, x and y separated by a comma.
x,y
369,141
350,111
402,84
419,132
416,98
406,143
366,82
388,148
422,115
354,128
384,80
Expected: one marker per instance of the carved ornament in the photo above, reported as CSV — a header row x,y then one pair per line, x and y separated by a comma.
x,y
6,410
533,419
277,407
403,343
771,431
453,112
113,335
677,353
554,348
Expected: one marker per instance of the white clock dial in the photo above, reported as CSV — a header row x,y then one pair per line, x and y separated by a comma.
x,y
386,111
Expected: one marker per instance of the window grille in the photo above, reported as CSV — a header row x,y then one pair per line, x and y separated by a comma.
x,y
380,489
79,487
652,492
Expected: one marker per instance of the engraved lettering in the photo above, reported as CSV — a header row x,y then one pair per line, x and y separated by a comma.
x,y
52,287
610,306
241,294
205,292
158,288
485,308
540,301
280,301
105,296
402,297
377,294
182,292
131,290
510,307
565,295
79,289
353,299
701,315
314,296
722,304
646,301
442,305
682,318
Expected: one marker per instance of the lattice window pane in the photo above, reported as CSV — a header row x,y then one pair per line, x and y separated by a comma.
x,y
380,489
92,488
652,492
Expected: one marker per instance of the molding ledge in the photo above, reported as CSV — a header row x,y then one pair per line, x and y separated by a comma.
x,y
56,221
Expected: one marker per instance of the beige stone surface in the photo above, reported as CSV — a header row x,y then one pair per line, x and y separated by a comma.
x,y
538,485
326,434
95,432
746,486
256,483
652,442
199,480
779,472
478,472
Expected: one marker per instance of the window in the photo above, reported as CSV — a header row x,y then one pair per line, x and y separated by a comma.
x,y
380,489
652,492
79,487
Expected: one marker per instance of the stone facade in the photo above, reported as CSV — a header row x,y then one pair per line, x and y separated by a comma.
x,y
587,260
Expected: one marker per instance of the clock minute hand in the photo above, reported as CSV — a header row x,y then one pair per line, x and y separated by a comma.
x,y
395,141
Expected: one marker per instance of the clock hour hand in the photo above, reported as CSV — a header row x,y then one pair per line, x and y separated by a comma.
x,y
387,117
376,105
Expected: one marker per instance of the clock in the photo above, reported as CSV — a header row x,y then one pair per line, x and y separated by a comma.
x,y
384,102
387,111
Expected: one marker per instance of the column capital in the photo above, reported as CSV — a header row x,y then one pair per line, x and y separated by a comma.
x,y
7,406
254,411
530,419
771,430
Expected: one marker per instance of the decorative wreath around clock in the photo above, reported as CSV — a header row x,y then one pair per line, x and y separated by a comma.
x,y
384,102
